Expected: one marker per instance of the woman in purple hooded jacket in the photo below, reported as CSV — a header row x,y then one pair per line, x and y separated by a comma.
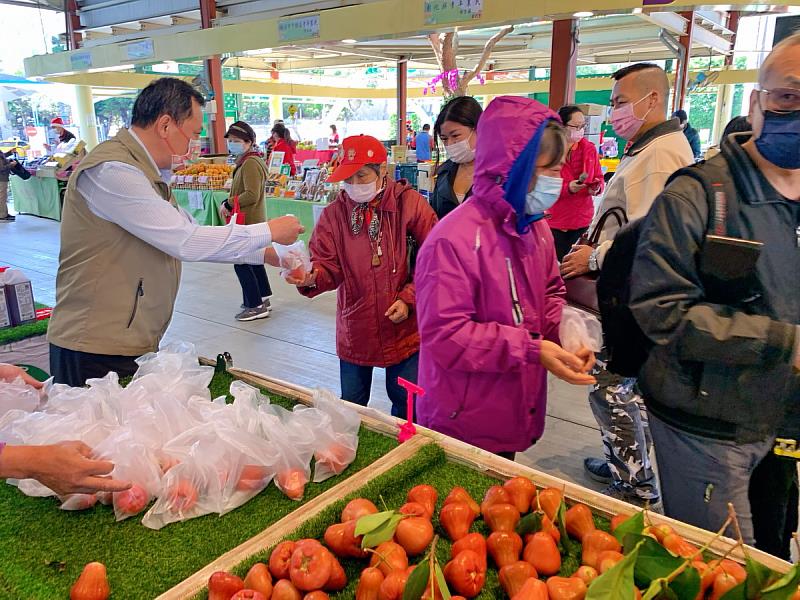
x,y
489,293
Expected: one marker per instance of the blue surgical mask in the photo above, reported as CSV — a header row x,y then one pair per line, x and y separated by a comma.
x,y
235,148
780,139
543,195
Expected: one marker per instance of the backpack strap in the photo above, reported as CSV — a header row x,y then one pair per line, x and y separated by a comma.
x,y
720,193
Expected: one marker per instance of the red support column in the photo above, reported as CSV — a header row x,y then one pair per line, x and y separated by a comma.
x,y
733,25
563,63
213,64
402,99
682,71
73,24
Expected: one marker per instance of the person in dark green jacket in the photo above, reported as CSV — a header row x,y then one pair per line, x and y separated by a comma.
x,y
249,178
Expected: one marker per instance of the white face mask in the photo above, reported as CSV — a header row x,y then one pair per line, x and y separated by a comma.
x,y
461,152
544,194
360,193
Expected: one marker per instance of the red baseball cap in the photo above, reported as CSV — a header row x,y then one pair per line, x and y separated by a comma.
x,y
57,121
357,151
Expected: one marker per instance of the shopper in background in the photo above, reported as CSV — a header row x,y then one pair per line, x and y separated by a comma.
x,y
65,467
456,127
283,142
5,170
122,240
249,179
656,149
721,382
490,296
66,140
690,132
424,144
363,247
333,140
571,216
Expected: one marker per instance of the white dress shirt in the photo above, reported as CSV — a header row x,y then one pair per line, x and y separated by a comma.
x,y
122,194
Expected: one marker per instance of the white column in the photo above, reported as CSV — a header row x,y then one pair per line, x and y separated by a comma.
x,y
84,115
722,113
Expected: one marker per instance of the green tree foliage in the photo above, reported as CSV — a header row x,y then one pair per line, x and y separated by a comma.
x,y
113,112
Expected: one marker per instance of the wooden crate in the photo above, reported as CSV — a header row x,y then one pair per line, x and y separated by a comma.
x,y
455,451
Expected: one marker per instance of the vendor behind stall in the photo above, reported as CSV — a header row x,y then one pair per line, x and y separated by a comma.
x,y
66,140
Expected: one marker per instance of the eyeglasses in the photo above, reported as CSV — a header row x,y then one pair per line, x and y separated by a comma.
x,y
781,99
578,127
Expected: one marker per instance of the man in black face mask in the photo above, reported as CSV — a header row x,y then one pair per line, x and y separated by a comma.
x,y
722,383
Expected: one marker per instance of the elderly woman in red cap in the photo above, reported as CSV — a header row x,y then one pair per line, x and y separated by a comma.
x,y
364,247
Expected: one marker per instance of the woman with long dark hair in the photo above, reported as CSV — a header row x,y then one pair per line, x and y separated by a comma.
x,y
571,216
456,127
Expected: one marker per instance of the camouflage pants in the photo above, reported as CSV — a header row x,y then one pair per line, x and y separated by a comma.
x,y
620,412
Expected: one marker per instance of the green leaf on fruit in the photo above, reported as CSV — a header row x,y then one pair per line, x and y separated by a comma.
x,y
655,562
561,522
383,533
530,523
417,581
758,577
369,523
633,524
785,587
736,593
617,582
443,589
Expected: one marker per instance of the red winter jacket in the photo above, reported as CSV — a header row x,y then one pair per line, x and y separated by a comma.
x,y
343,261
575,211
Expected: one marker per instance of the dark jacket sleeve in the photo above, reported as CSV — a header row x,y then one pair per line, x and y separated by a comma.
x,y
667,297
694,142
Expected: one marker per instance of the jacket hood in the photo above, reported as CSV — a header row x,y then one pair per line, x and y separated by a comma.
x,y
510,132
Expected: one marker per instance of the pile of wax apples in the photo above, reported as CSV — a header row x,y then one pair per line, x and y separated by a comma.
x,y
541,549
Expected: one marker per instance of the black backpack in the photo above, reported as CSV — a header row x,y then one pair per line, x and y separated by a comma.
x,y
627,346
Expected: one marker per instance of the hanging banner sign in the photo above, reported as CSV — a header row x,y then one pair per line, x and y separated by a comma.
x,y
298,28
438,12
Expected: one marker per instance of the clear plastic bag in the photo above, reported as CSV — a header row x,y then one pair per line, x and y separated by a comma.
x,y
579,330
294,259
18,395
335,429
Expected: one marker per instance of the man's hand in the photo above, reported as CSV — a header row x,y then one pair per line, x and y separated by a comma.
x,y
285,229
398,312
65,468
576,263
10,373
576,186
566,366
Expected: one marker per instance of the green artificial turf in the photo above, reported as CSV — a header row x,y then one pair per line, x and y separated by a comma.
x,y
44,549
10,335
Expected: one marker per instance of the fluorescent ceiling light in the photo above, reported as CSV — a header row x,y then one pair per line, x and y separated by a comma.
x,y
583,13
349,41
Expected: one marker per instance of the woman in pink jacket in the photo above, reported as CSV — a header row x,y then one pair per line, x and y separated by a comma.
x,y
489,294
360,247
571,216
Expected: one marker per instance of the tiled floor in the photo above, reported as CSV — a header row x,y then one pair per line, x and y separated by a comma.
x,y
296,343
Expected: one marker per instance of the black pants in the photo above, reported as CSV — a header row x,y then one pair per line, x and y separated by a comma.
x,y
565,240
773,502
254,282
74,368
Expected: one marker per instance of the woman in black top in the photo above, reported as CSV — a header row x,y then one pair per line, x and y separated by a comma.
x,y
456,126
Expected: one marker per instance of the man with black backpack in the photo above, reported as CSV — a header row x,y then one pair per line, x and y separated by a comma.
x,y
656,149
714,285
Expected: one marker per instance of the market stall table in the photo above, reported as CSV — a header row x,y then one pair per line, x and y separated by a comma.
x,y
307,212
203,205
38,196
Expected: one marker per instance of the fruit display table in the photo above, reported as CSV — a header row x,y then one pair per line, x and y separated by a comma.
x,y
307,212
203,205
38,196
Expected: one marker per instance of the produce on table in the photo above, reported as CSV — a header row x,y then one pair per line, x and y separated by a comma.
x,y
92,584
259,579
545,567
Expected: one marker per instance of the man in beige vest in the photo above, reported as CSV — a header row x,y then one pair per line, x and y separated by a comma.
x,y
123,240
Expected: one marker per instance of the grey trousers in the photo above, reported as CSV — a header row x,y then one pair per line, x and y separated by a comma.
x,y
700,476
620,412
3,199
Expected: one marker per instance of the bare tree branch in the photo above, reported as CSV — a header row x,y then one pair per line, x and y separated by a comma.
x,y
449,61
487,52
